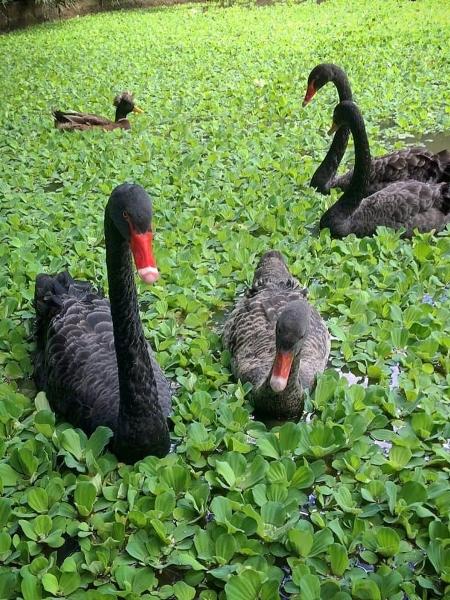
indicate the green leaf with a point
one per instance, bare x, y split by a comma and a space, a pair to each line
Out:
69, 582
365, 589
8, 476
244, 586
388, 541
310, 587
413, 491
98, 440
225, 548
226, 472
31, 590
302, 541
70, 441
322, 540
5, 511
183, 591
339, 559
50, 583
85, 495
42, 525
399, 457
38, 499
41, 402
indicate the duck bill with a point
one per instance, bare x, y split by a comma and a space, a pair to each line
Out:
332, 129
310, 93
141, 245
281, 370
137, 110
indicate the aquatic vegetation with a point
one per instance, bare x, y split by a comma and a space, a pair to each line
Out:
351, 502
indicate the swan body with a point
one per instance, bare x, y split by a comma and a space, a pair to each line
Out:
405, 204
72, 121
92, 359
277, 340
410, 163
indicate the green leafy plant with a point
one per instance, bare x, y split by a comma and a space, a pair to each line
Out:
353, 500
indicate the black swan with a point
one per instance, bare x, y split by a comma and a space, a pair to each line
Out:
71, 121
411, 163
92, 359
405, 204
278, 342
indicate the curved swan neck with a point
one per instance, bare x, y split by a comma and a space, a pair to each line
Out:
137, 384
336, 217
342, 84
324, 174
361, 172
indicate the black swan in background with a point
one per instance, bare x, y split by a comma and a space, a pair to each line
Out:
92, 358
408, 204
411, 163
278, 342
71, 121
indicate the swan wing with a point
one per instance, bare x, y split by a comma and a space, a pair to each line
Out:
80, 365
407, 204
410, 163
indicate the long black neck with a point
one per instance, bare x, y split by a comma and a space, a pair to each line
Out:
322, 178
342, 84
121, 112
335, 217
361, 172
141, 427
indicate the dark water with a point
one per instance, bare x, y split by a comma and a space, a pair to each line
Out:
435, 142
53, 186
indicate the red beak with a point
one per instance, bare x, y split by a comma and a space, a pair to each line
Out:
142, 250
280, 370
310, 92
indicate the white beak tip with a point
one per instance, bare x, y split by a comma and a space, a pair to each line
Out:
148, 274
278, 384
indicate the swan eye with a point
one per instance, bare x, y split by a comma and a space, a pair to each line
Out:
125, 215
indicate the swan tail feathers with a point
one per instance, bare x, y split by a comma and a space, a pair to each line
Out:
50, 292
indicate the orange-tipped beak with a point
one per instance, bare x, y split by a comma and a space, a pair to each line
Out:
142, 250
281, 370
332, 129
137, 110
310, 92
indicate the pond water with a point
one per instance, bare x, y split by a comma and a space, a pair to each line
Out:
434, 142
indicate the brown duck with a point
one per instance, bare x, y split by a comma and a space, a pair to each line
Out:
72, 121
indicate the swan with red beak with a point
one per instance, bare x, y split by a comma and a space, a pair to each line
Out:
278, 342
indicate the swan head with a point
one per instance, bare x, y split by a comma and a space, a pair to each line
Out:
130, 209
320, 76
291, 328
344, 112
125, 103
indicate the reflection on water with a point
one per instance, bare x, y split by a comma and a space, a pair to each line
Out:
434, 142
